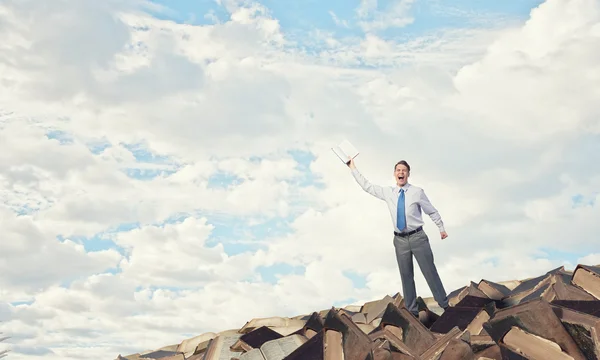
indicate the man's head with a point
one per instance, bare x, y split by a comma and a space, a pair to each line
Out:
401, 172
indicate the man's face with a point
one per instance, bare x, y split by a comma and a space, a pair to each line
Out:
401, 174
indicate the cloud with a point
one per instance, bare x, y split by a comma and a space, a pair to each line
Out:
396, 14
172, 256
337, 21
116, 132
591, 259
60, 61
542, 64
35, 260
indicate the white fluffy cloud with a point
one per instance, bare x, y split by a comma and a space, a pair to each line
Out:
500, 125
34, 260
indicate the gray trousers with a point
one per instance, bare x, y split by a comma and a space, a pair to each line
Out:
417, 244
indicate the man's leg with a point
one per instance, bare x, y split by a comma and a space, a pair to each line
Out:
422, 250
405, 265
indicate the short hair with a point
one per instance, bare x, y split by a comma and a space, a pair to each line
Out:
402, 162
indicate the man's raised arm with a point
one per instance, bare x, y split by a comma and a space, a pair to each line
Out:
372, 189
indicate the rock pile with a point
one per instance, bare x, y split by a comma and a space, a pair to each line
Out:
552, 316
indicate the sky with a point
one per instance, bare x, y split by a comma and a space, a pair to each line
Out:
166, 167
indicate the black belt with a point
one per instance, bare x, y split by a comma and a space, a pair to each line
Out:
409, 233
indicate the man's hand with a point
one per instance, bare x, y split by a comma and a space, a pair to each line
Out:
444, 235
350, 162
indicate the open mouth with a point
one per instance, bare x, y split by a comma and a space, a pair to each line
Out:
401, 177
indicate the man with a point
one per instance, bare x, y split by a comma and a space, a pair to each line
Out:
405, 202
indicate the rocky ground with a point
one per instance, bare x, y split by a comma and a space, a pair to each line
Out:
553, 316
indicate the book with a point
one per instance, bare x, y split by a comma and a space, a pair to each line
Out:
275, 349
327, 344
533, 330
588, 279
345, 150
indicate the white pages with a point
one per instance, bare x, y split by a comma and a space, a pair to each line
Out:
344, 150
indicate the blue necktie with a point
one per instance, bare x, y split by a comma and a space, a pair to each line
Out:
400, 215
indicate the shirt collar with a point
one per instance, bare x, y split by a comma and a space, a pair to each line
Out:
405, 187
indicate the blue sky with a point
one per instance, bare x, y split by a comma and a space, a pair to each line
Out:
297, 17
446, 84
236, 234
306, 15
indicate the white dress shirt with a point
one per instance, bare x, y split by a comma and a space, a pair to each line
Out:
415, 200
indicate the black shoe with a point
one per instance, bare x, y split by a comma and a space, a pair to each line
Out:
421, 306
426, 316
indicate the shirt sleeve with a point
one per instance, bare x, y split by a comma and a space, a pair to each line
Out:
373, 189
430, 210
